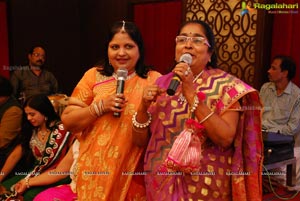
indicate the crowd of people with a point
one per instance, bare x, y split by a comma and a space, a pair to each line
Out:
204, 142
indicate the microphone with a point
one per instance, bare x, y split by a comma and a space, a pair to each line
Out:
121, 77
186, 58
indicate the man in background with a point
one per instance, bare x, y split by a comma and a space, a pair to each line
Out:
34, 79
10, 119
281, 100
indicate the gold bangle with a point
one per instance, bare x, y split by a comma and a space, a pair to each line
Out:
91, 112
27, 182
195, 104
205, 118
101, 107
96, 109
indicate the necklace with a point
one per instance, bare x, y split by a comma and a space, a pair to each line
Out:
43, 133
127, 78
181, 98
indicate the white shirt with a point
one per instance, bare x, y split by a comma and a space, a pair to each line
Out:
281, 112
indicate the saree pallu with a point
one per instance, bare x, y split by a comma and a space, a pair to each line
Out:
66, 192
231, 174
55, 149
107, 156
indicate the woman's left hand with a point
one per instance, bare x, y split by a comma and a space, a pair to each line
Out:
114, 103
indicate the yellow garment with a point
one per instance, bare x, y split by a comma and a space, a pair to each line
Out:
107, 155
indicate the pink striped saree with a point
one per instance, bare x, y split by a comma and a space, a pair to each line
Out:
231, 174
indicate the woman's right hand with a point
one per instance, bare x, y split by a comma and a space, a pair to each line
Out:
150, 94
21, 187
141, 134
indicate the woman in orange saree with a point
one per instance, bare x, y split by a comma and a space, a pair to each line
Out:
108, 163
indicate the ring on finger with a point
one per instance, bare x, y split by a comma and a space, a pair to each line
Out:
186, 73
117, 104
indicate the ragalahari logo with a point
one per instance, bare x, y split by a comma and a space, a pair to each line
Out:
274, 8
278, 8
245, 8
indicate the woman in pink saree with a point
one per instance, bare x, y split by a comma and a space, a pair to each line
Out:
204, 142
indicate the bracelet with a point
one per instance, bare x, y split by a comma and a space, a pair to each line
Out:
139, 130
141, 125
27, 182
195, 104
205, 118
91, 112
96, 109
101, 106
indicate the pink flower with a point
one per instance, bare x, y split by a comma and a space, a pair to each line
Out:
201, 96
194, 124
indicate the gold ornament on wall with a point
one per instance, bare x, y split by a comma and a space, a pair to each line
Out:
234, 24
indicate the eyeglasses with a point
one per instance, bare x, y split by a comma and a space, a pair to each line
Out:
38, 55
198, 40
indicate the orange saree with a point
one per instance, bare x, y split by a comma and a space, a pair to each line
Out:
108, 160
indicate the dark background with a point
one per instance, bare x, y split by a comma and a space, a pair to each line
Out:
72, 32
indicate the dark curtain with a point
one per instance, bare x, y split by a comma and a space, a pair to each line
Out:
4, 60
159, 24
285, 38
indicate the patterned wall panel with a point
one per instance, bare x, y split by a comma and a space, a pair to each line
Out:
235, 33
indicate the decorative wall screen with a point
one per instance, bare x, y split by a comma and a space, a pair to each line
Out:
235, 33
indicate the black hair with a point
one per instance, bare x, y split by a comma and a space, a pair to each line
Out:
42, 104
210, 37
288, 64
132, 30
6, 88
35, 46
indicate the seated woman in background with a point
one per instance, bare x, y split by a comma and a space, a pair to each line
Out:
66, 192
48, 143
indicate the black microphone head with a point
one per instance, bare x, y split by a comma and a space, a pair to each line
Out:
122, 73
186, 58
